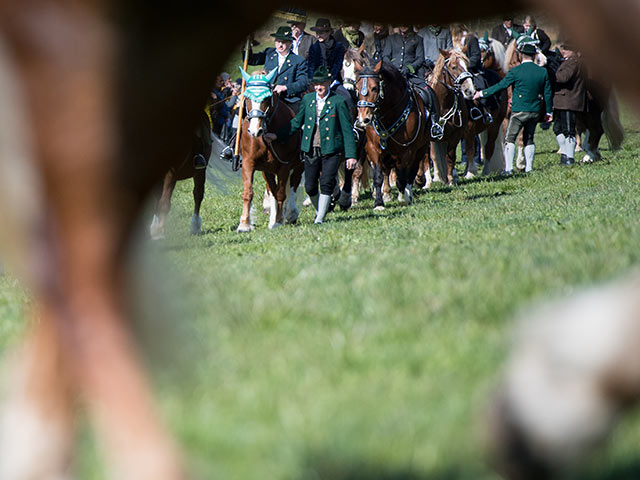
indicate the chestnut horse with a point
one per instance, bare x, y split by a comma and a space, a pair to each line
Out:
396, 127
84, 84
279, 161
452, 83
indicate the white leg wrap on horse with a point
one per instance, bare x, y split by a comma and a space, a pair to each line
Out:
509, 154
529, 153
323, 206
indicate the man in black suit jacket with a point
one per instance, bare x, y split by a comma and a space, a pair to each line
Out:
504, 32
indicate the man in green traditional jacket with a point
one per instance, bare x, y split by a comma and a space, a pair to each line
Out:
327, 135
531, 88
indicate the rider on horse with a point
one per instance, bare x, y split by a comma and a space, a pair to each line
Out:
405, 51
292, 79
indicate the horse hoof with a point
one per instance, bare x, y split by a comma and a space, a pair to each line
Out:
386, 197
196, 225
157, 236
244, 228
470, 175
307, 202
274, 226
379, 208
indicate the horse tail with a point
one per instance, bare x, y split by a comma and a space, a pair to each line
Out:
611, 122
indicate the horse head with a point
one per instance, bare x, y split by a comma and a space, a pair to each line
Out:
354, 60
456, 72
370, 93
260, 100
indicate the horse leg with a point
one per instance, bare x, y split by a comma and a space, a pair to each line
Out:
356, 183
164, 205
199, 180
439, 156
81, 345
520, 162
247, 196
452, 178
386, 187
292, 210
278, 194
470, 150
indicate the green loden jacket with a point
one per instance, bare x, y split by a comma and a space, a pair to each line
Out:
530, 87
336, 132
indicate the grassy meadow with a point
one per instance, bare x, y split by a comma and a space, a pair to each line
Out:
365, 348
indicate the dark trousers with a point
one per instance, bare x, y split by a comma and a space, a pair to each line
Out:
320, 167
564, 122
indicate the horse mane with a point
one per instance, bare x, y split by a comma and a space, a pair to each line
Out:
437, 72
454, 54
391, 74
508, 55
499, 52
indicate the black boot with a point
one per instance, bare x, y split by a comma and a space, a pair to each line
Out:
563, 160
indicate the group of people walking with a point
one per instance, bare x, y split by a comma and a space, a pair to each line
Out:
307, 62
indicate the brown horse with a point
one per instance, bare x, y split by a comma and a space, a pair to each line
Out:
183, 171
87, 82
396, 127
279, 161
452, 84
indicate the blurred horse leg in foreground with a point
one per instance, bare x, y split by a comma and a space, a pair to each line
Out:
574, 368
91, 81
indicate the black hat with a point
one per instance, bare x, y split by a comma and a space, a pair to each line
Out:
283, 33
321, 75
293, 15
322, 25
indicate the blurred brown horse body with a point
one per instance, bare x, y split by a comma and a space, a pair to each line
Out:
94, 78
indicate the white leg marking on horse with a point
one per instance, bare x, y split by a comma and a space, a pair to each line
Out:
273, 213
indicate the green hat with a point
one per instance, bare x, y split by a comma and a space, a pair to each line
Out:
527, 45
483, 42
321, 75
284, 34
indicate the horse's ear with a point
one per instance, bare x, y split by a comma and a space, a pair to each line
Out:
245, 75
357, 66
271, 75
445, 53
378, 67
361, 49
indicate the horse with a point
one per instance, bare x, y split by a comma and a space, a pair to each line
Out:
83, 85
396, 126
490, 134
452, 83
184, 170
354, 179
279, 161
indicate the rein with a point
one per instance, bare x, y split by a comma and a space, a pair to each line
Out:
457, 83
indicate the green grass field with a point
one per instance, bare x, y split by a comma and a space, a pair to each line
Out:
364, 348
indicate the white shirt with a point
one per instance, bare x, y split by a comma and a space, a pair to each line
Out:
296, 44
281, 59
320, 106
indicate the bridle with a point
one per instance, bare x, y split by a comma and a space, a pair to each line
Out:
383, 132
364, 91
